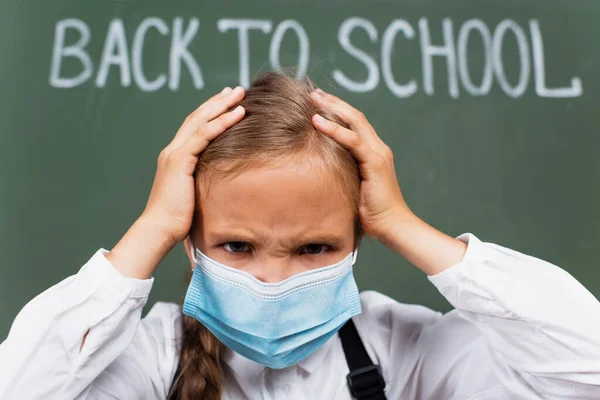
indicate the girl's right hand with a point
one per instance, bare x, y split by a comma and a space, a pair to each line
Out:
167, 218
172, 200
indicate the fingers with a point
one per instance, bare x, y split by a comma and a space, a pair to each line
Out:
226, 90
213, 108
185, 156
198, 141
209, 110
355, 119
346, 137
219, 125
223, 92
350, 115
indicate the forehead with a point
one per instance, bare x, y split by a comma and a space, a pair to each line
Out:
298, 196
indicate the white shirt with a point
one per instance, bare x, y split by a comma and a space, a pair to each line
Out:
522, 329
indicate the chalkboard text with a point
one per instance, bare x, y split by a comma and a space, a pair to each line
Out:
118, 57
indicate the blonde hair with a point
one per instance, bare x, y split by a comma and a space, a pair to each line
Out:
277, 127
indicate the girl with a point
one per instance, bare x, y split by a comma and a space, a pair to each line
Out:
272, 198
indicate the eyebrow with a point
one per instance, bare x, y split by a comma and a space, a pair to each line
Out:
230, 236
327, 238
240, 236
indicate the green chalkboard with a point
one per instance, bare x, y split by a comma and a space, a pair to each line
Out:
491, 108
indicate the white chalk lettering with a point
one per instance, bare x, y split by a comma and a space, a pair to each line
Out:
137, 55
537, 45
344, 39
428, 51
401, 40
524, 72
243, 26
59, 51
179, 51
387, 47
115, 53
303, 44
463, 60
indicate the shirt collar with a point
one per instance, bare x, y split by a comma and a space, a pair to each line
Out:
248, 370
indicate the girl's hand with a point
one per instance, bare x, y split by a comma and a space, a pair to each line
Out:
172, 200
167, 218
381, 204
384, 214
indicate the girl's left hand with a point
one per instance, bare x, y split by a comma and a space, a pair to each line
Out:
381, 204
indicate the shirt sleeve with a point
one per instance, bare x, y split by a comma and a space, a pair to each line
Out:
42, 357
541, 322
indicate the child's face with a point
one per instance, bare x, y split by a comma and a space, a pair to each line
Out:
276, 222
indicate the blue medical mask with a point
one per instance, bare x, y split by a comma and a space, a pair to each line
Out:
274, 324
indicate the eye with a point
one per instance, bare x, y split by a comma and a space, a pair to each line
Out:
314, 248
237, 247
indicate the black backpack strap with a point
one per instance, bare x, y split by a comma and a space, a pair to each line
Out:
174, 394
365, 378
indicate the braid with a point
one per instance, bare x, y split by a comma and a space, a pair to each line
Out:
199, 375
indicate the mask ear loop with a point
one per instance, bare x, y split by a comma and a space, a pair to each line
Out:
354, 255
193, 250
